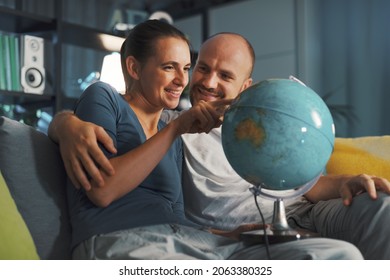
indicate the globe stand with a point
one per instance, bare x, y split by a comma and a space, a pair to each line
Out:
279, 230
278, 134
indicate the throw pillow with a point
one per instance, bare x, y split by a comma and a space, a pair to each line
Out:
369, 155
16, 241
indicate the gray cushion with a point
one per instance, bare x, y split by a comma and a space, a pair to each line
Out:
32, 167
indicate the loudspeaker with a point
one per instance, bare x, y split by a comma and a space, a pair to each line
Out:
32, 58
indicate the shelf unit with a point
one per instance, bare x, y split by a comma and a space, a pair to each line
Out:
57, 29
57, 32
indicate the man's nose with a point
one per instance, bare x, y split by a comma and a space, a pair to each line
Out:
210, 81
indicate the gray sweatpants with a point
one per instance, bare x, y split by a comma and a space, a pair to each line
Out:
181, 242
365, 223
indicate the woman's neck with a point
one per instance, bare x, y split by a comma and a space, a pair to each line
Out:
146, 114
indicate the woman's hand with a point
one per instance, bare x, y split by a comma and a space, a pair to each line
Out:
202, 117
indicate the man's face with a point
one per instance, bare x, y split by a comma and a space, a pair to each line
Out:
222, 69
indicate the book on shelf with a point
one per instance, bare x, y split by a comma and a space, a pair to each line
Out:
15, 63
3, 85
7, 62
10, 62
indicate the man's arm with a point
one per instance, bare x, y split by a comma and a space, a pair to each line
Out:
78, 141
58, 121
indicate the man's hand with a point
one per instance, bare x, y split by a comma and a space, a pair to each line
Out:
78, 141
347, 187
356, 185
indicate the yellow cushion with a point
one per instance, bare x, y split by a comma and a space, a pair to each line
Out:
15, 239
370, 155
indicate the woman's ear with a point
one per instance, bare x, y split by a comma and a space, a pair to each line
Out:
132, 67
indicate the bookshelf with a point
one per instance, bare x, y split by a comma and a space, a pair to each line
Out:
57, 34
71, 33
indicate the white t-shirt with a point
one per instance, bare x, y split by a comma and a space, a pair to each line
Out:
214, 194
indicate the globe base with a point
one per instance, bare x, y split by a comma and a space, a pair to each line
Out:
277, 232
275, 235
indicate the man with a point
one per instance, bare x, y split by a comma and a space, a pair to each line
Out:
214, 194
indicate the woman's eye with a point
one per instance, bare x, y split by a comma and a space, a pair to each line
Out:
168, 67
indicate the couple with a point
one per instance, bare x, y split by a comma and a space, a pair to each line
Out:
134, 207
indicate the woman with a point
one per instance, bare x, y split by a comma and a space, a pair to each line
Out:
144, 196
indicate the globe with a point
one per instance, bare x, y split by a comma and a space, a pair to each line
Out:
278, 134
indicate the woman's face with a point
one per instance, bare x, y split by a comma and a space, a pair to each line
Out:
165, 74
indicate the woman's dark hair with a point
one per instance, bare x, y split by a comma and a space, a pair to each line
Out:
141, 42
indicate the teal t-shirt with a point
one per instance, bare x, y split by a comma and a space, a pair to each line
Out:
157, 200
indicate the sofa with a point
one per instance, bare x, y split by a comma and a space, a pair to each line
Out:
34, 222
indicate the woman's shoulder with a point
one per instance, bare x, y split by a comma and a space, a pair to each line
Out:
99, 96
101, 90
101, 87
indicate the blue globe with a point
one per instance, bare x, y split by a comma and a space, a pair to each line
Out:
278, 134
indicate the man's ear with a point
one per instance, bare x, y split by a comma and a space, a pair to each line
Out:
246, 84
132, 67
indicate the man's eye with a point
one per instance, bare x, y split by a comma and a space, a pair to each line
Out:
202, 68
225, 77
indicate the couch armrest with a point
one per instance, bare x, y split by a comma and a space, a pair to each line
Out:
32, 167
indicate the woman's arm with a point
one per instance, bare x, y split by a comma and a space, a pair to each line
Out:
138, 163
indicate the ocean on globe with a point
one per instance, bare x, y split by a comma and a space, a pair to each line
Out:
279, 134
